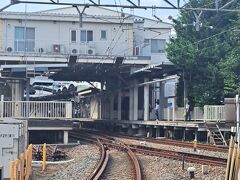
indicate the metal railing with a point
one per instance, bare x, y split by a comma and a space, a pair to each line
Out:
208, 113
214, 113
57, 109
39, 47
196, 114
36, 109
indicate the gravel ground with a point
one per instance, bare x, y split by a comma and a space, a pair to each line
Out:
157, 168
85, 158
119, 167
174, 148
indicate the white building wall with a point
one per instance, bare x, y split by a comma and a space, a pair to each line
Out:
54, 27
148, 29
47, 33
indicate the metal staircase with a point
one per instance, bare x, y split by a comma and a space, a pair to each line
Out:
215, 134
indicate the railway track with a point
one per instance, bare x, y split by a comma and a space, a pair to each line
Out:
188, 157
102, 164
207, 147
120, 166
184, 144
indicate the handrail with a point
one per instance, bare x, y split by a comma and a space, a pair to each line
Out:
36, 109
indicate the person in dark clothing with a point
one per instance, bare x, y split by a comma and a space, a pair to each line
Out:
188, 108
157, 109
187, 112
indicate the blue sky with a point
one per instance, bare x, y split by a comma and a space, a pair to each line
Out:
163, 14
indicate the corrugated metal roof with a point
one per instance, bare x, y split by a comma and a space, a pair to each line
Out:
102, 12
149, 68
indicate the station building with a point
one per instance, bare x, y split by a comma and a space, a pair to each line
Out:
125, 53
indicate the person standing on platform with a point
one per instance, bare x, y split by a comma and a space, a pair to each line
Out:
157, 109
187, 111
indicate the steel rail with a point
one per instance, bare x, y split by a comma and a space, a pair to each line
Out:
188, 157
136, 164
95, 175
102, 163
110, 143
170, 154
184, 144
208, 147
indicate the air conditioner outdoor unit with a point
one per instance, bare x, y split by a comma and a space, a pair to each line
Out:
74, 51
91, 51
40, 50
9, 49
56, 48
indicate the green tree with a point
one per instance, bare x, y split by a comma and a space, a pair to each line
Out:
202, 54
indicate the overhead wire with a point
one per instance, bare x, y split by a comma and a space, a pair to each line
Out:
141, 43
210, 37
140, 29
113, 39
190, 44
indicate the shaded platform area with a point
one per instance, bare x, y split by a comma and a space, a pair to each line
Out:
50, 124
50, 131
200, 125
208, 132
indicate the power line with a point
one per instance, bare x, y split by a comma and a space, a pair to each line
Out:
13, 2
195, 43
210, 37
131, 48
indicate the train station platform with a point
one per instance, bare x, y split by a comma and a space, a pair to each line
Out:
199, 125
51, 131
49, 124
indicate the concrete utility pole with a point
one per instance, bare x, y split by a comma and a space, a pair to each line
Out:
80, 14
198, 23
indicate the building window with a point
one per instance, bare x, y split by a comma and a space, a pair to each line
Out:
158, 45
103, 34
24, 39
146, 42
86, 36
73, 36
137, 51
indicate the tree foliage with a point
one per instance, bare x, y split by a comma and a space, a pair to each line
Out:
210, 57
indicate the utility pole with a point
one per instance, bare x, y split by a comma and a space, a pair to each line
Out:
197, 23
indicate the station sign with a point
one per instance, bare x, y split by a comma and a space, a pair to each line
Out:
170, 89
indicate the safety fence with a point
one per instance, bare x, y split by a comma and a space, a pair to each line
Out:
214, 113
36, 109
63, 109
207, 113
20, 169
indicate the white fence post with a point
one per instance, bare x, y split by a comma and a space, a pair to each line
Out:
214, 113
237, 118
68, 110
2, 101
35, 109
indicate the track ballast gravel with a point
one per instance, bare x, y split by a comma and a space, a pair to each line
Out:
85, 159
